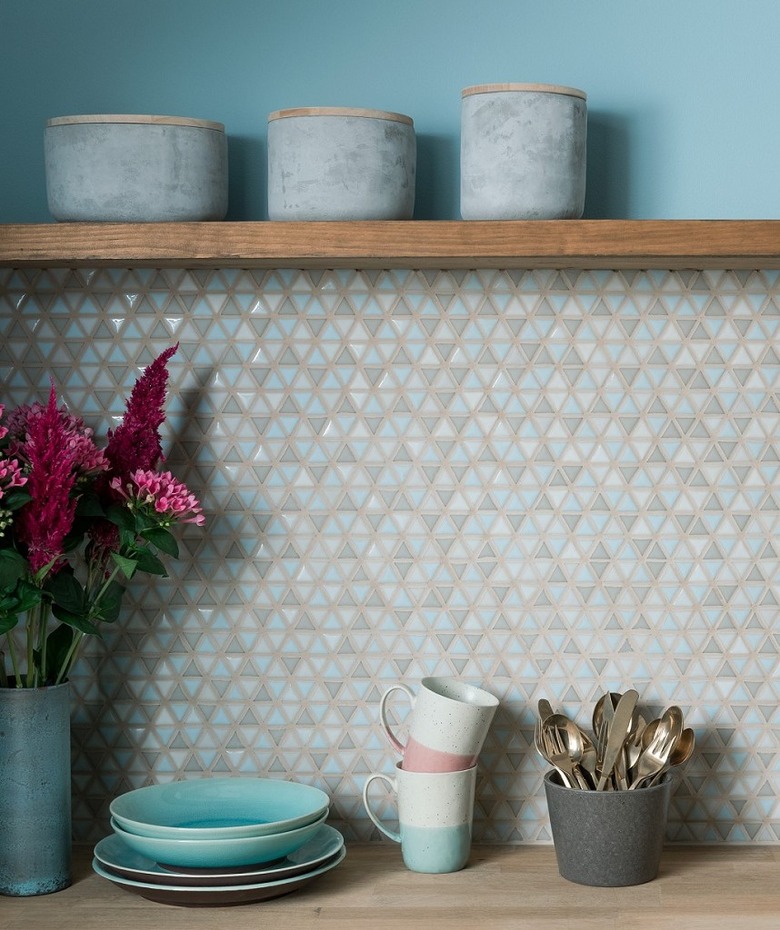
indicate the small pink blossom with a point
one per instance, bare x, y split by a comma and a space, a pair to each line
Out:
10, 476
161, 493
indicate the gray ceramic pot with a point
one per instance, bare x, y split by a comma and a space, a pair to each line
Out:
128, 168
607, 838
340, 163
522, 152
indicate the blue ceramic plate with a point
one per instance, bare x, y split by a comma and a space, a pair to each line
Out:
216, 853
188, 896
218, 808
117, 858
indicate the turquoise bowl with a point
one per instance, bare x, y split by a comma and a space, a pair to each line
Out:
218, 808
218, 853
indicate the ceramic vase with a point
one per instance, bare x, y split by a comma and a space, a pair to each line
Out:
35, 805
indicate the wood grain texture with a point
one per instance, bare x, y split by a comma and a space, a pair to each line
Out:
503, 887
617, 244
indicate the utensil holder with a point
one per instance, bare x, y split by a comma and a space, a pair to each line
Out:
608, 838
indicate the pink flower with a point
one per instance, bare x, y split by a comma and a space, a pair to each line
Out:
10, 476
162, 494
135, 443
50, 458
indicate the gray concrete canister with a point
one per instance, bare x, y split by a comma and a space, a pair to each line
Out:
129, 168
522, 154
340, 163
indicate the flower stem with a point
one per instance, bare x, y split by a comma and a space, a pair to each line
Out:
68, 660
106, 585
32, 672
14, 661
43, 624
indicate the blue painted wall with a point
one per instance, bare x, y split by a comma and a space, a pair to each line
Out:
682, 93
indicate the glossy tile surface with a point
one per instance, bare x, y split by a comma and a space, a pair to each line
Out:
546, 483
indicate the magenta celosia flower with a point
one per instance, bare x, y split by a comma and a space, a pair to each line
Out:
135, 443
50, 464
88, 460
161, 494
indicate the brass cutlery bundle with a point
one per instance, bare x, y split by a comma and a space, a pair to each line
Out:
624, 752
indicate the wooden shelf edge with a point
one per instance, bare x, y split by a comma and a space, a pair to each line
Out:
618, 244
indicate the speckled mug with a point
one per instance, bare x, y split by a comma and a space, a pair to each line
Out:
449, 722
435, 813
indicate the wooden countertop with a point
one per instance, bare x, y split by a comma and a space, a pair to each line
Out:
503, 887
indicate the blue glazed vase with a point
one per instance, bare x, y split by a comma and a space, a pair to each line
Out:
35, 813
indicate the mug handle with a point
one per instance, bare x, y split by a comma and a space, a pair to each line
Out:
394, 741
377, 822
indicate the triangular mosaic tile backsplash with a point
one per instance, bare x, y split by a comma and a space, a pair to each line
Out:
550, 483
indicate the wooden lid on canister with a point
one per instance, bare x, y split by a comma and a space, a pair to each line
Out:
533, 88
136, 118
341, 111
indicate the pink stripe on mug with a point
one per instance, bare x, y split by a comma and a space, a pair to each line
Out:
447, 727
419, 758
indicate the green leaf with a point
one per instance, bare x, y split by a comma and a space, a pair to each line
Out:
143, 522
8, 622
13, 567
77, 621
27, 596
109, 605
127, 539
58, 642
164, 540
13, 500
122, 517
125, 565
66, 592
148, 562
89, 506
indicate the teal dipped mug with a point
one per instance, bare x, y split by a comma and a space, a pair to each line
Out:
435, 814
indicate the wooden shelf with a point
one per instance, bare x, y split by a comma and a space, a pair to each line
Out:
668, 244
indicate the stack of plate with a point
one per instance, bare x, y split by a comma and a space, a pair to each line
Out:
218, 840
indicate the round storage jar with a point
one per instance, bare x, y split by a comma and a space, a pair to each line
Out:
340, 163
135, 169
522, 154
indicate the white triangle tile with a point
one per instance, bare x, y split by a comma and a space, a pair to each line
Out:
549, 482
